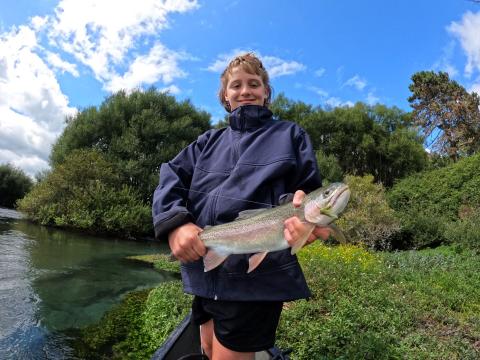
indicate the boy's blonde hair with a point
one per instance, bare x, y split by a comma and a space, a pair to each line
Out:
250, 63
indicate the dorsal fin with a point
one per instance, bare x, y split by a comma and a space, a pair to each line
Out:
246, 214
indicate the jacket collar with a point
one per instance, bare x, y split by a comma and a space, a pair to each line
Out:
249, 116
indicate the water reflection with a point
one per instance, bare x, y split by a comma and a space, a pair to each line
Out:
52, 280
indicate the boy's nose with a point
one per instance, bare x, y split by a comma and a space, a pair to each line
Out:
245, 90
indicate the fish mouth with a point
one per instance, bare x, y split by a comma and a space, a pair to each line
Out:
334, 199
339, 193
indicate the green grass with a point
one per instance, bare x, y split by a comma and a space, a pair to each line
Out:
365, 305
405, 305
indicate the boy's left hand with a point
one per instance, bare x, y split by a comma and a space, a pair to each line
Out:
295, 229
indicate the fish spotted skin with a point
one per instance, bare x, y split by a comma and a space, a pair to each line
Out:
262, 231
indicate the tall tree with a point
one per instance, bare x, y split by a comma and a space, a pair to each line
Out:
135, 132
446, 113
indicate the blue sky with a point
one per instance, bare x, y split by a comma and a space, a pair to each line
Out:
58, 57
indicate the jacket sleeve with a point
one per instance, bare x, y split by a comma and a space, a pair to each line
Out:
169, 206
307, 177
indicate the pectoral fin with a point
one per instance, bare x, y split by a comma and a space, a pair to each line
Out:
301, 242
255, 260
337, 233
212, 259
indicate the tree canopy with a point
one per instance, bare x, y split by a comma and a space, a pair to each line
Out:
447, 114
135, 132
14, 184
374, 140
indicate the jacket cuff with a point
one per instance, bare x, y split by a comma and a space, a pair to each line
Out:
162, 229
285, 198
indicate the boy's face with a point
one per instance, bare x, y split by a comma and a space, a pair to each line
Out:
245, 89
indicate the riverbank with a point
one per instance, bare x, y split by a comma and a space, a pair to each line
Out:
415, 304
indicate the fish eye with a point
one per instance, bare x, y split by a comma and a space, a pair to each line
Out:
327, 193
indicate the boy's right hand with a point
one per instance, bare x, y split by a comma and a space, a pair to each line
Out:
185, 243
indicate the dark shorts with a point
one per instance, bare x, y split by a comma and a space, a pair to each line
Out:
243, 326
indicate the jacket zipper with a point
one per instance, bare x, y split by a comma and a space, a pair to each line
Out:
236, 153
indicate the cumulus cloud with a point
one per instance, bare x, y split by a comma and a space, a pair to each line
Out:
57, 63
159, 64
336, 102
275, 66
102, 42
278, 67
356, 82
467, 32
32, 105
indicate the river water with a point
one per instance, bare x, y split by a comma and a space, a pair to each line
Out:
52, 281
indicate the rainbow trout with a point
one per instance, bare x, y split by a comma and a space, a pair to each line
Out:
261, 231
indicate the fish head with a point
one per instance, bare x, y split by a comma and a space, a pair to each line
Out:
323, 205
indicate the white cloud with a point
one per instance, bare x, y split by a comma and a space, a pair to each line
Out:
159, 64
172, 90
475, 87
278, 67
336, 102
372, 99
356, 82
56, 62
275, 66
444, 63
322, 93
32, 105
319, 72
223, 59
467, 32
103, 41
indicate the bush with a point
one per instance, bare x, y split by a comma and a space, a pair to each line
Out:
136, 327
466, 231
368, 219
429, 201
165, 308
85, 193
96, 341
14, 184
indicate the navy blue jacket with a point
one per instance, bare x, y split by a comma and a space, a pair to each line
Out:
257, 159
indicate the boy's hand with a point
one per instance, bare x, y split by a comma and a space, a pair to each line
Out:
295, 229
185, 243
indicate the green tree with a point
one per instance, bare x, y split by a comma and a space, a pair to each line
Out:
135, 132
364, 139
14, 184
447, 114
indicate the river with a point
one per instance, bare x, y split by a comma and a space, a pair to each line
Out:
53, 281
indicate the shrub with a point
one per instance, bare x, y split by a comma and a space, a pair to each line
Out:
466, 231
441, 191
14, 184
368, 219
85, 193
96, 341
428, 201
